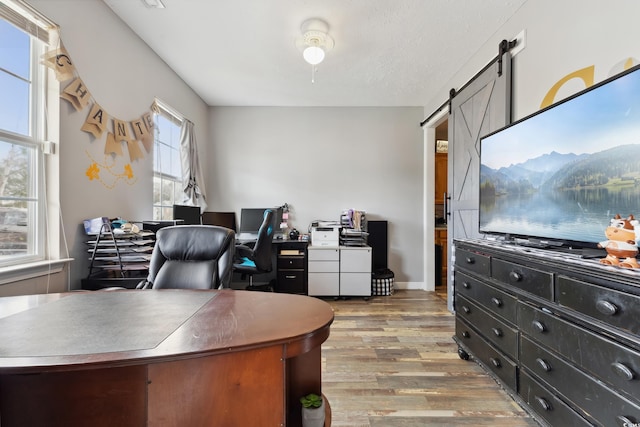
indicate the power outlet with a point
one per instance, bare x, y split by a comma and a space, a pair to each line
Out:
521, 42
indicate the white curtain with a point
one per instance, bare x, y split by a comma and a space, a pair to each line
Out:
192, 182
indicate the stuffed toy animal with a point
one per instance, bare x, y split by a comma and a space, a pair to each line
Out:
621, 246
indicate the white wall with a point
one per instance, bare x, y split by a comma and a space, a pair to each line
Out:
123, 76
561, 37
321, 161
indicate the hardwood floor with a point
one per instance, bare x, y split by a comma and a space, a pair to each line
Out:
391, 361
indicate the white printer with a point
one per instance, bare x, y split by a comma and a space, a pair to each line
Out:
325, 233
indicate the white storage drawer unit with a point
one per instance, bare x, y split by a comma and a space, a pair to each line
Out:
355, 271
323, 266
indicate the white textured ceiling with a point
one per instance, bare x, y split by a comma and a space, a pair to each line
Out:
387, 52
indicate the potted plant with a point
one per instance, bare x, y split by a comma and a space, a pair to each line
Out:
312, 410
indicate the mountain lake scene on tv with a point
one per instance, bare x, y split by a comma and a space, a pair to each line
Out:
574, 194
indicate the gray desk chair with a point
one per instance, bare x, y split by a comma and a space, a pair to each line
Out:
191, 257
257, 259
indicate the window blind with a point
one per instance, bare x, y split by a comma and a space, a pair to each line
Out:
27, 18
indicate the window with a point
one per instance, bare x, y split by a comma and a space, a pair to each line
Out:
23, 131
167, 167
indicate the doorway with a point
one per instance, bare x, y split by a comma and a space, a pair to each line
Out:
440, 206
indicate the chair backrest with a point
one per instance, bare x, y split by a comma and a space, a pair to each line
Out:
223, 219
262, 248
192, 257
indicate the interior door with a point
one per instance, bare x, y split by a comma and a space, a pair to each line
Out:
481, 106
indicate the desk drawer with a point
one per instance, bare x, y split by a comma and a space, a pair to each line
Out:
290, 262
578, 387
528, 279
291, 282
499, 333
607, 360
548, 406
490, 298
472, 261
323, 266
613, 307
323, 254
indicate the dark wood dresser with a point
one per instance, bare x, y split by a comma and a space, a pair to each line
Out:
560, 332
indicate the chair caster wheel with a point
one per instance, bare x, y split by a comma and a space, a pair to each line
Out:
463, 354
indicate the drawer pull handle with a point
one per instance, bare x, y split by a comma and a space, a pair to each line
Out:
465, 334
543, 364
539, 326
544, 404
466, 309
496, 362
622, 371
625, 421
497, 332
515, 276
606, 307
290, 277
470, 260
496, 301
466, 285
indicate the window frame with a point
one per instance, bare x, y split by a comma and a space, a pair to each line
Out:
28, 21
165, 211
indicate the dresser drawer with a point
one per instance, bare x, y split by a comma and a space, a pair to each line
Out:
472, 261
576, 386
290, 262
498, 363
613, 307
553, 410
492, 299
537, 282
496, 331
609, 361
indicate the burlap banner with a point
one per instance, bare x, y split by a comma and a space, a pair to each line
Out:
124, 132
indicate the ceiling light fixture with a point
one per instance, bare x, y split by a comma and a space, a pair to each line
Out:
314, 43
155, 4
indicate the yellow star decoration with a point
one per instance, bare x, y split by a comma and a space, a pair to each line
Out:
110, 173
93, 172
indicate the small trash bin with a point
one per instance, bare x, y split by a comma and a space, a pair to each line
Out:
382, 282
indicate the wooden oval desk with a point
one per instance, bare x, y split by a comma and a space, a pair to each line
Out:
159, 358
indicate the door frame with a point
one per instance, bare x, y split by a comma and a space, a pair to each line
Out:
429, 162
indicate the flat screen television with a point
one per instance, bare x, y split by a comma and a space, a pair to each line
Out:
558, 176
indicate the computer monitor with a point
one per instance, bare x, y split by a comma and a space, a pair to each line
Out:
223, 219
189, 214
251, 219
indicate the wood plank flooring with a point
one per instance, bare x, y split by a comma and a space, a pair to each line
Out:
391, 361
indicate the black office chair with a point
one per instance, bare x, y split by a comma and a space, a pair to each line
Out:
191, 257
257, 259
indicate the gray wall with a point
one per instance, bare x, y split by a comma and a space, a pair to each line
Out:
321, 161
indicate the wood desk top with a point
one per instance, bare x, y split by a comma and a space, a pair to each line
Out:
81, 330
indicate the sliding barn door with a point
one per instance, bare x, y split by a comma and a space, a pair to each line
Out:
480, 107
